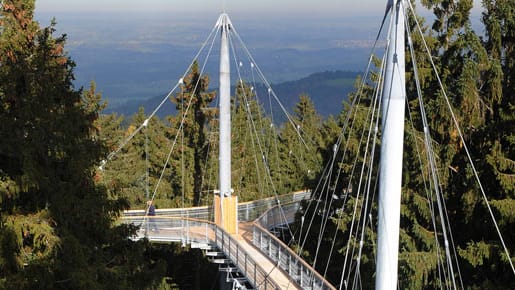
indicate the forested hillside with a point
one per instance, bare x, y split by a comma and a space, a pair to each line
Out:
59, 225
324, 88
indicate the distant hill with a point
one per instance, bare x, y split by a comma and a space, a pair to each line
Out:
327, 89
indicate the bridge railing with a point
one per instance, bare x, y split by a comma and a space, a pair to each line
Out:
172, 229
246, 265
300, 271
195, 231
247, 211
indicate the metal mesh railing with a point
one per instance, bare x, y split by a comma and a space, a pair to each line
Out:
246, 265
300, 271
202, 234
191, 226
247, 211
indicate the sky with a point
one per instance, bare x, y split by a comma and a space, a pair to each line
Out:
110, 38
231, 6
286, 9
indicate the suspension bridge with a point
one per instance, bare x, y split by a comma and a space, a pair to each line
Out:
243, 237
253, 257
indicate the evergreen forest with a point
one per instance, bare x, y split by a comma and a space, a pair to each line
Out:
63, 191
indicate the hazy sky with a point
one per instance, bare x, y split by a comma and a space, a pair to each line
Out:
249, 6
145, 31
286, 8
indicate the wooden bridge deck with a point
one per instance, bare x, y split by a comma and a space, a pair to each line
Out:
238, 247
244, 237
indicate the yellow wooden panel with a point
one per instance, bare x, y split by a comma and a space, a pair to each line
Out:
226, 213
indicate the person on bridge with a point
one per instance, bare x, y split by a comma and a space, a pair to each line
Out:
151, 212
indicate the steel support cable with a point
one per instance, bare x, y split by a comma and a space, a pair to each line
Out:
370, 116
329, 169
206, 162
145, 123
427, 189
456, 124
426, 184
181, 125
167, 96
265, 162
239, 128
246, 105
324, 218
331, 193
146, 165
361, 88
259, 143
377, 95
267, 84
337, 145
437, 185
351, 112
275, 133
324, 214
302, 240
206, 166
326, 181
365, 212
432, 164
309, 205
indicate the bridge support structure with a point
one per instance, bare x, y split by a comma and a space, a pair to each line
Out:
226, 213
226, 205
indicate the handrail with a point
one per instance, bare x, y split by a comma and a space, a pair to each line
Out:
302, 273
247, 211
258, 277
201, 231
193, 228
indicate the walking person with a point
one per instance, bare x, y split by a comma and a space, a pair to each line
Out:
151, 212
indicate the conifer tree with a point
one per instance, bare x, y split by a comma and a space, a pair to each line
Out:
254, 153
133, 173
486, 263
192, 104
301, 146
57, 226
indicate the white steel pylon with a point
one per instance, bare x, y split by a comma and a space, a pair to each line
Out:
226, 215
390, 176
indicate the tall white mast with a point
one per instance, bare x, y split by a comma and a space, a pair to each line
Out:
393, 103
225, 109
225, 205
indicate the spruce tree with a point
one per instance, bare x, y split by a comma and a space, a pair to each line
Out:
57, 225
486, 263
301, 146
192, 104
134, 171
254, 147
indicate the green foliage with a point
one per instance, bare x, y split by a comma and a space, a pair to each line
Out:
58, 209
57, 226
192, 108
478, 77
302, 143
254, 148
133, 173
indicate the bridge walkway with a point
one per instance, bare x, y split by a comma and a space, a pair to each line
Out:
276, 274
254, 252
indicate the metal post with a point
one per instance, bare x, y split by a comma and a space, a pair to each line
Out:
393, 103
225, 110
